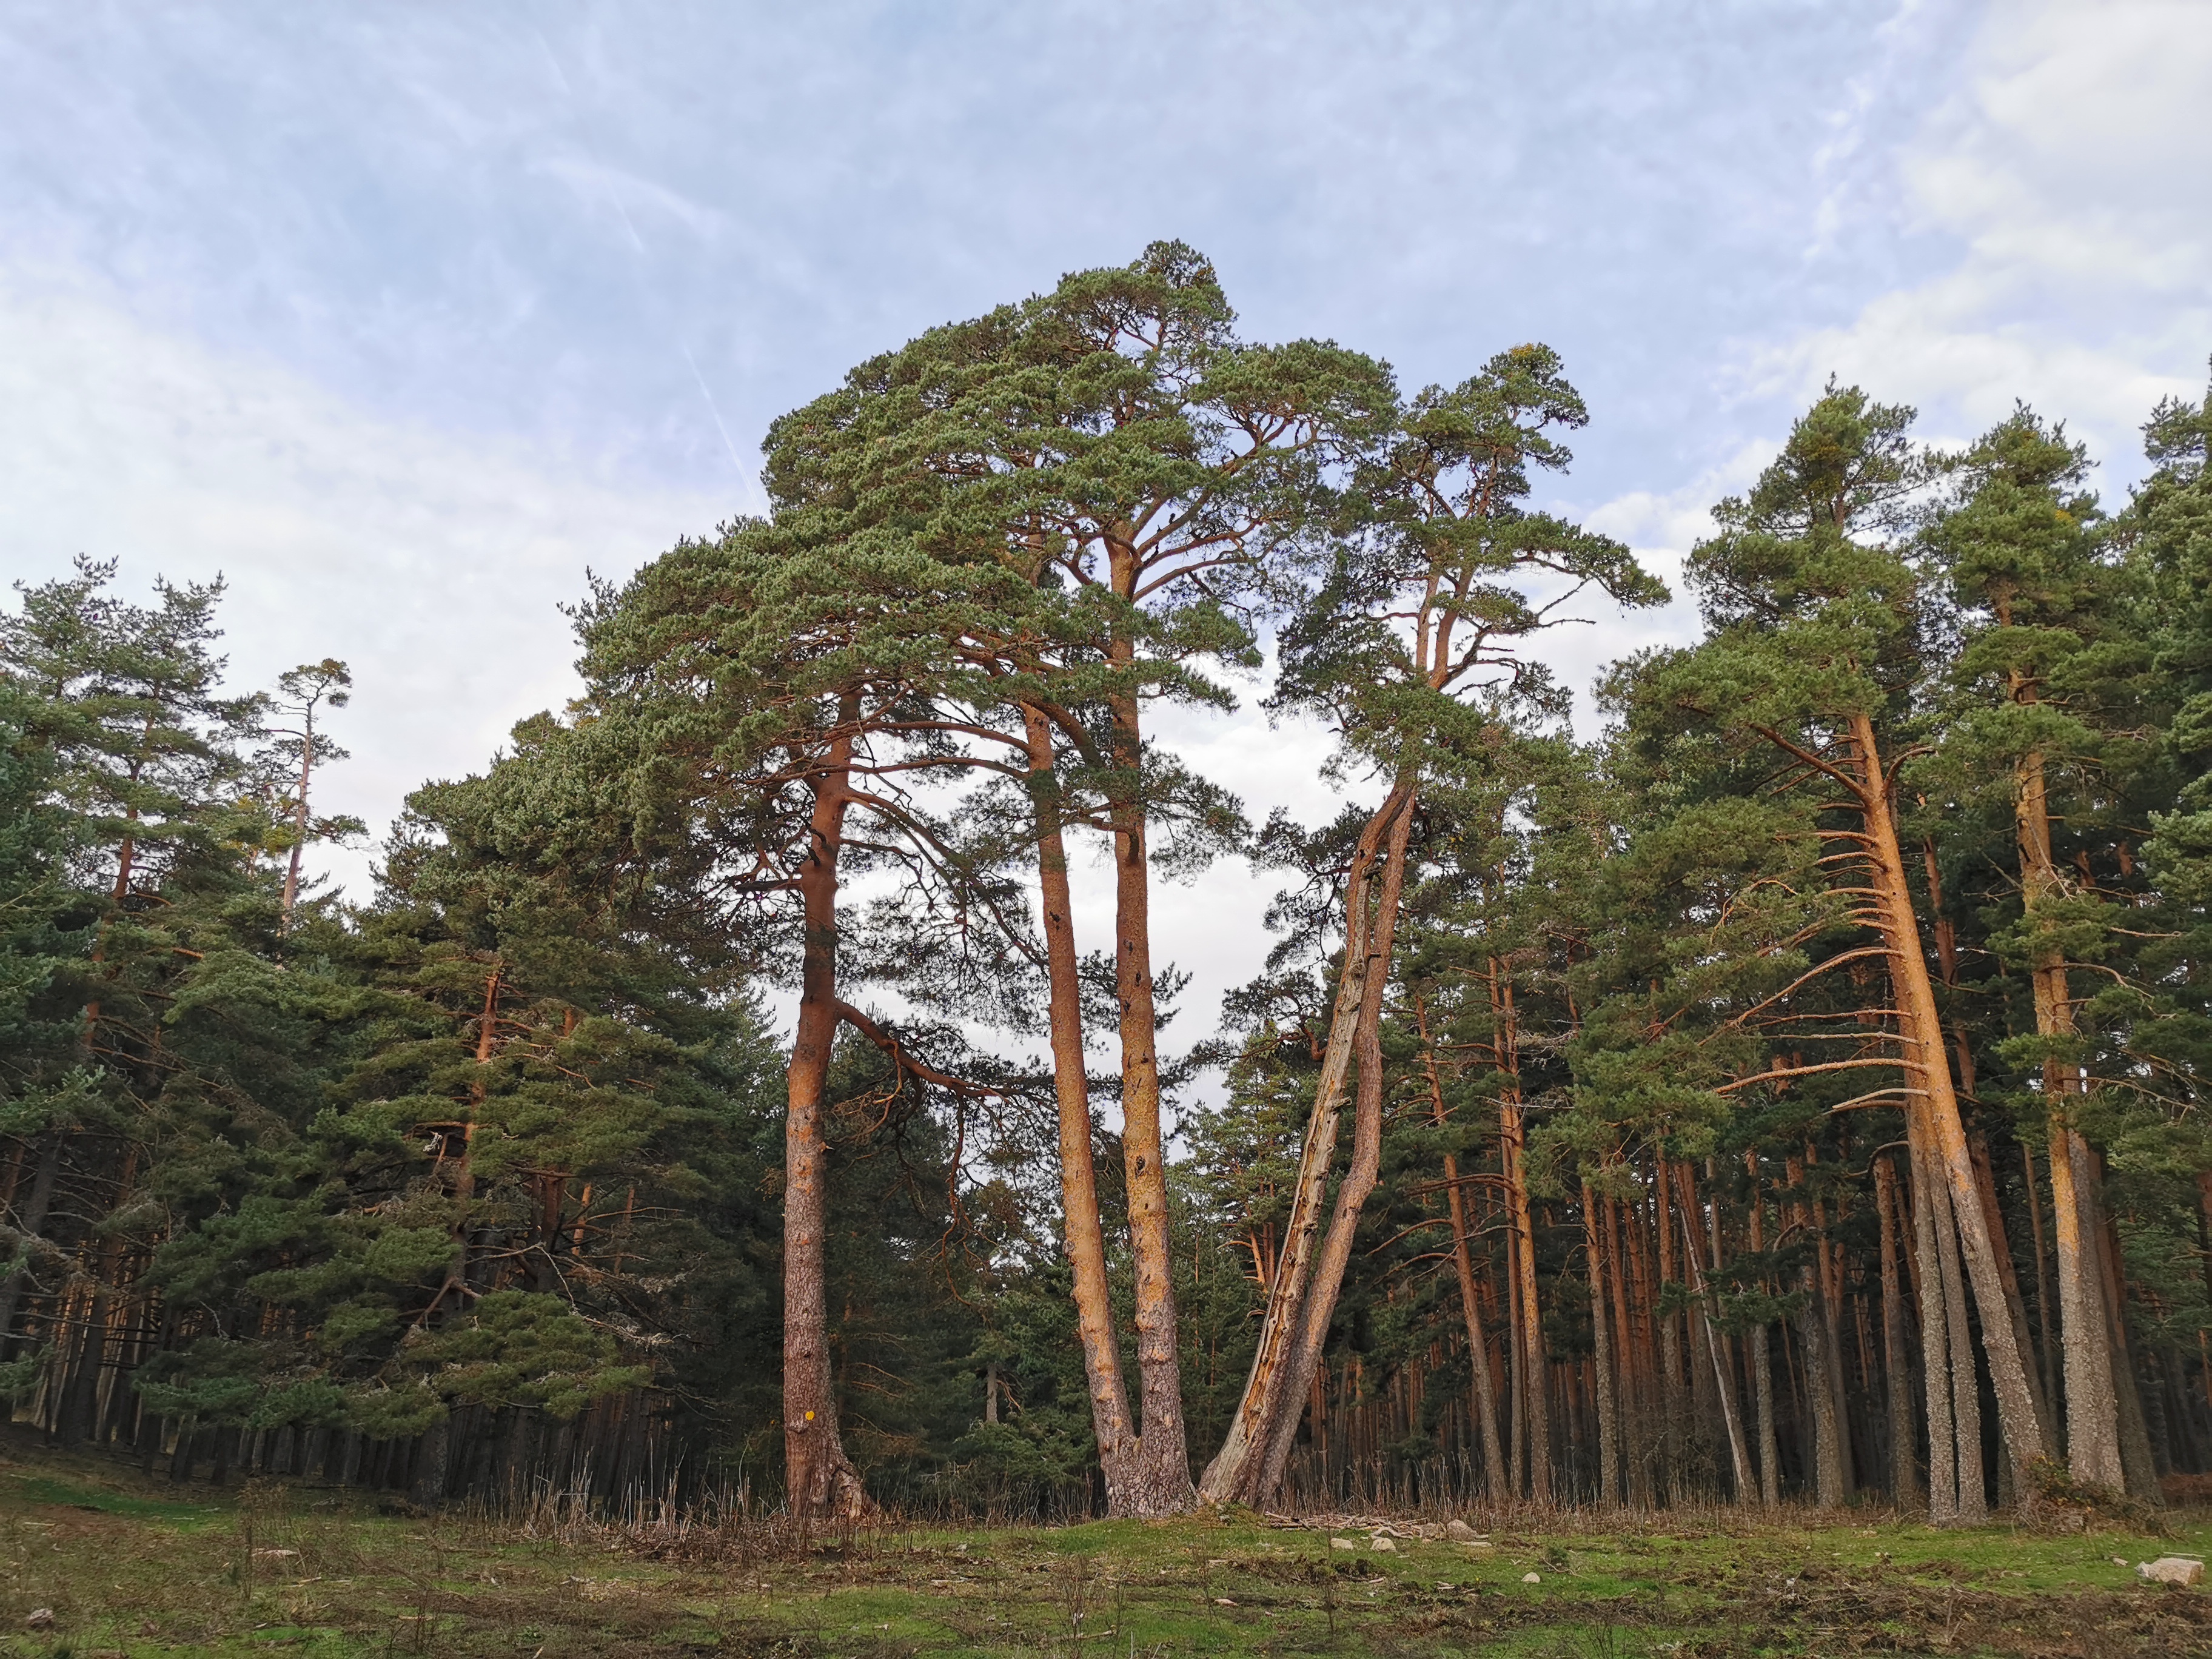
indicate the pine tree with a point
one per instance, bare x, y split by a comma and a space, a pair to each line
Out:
2019, 549
1452, 545
1814, 651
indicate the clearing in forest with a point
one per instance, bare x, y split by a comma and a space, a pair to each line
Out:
95, 1564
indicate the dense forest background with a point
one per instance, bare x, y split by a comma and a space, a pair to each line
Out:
1795, 1092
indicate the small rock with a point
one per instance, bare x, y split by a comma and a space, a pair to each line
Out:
1218, 1601
2171, 1569
1353, 1544
2120, 1560
1385, 1543
1459, 1533
41, 1619
1532, 1578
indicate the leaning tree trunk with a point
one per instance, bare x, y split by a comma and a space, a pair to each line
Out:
1723, 1373
819, 1479
1230, 1477
1358, 1179
1921, 1031
1078, 1175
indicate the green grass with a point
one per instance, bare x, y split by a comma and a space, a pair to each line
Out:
129, 1570
36, 1489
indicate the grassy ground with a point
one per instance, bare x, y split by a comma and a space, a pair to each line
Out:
132, 1568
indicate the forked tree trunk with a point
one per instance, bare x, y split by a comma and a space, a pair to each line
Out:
1229, 1477
1079, 1176
1335, 1253
819, 1479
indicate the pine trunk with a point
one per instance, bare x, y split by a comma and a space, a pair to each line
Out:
1608, 1415
1530, 1336
30, 1220
1078, 1175
1670, 1348
1158, 1471
1484, 1386
1762, 1364
1896, 1342
819, 1479
1228, 1478
2092, 1432
1335, 1254
1935, 1358
1724, 1381
1921, 1032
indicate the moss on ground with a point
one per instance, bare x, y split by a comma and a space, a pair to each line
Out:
137, 1568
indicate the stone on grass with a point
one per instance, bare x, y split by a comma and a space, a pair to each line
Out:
1532, 1578
1344, 1543
1383, 1541
2171, 1569
41, 1619
1459, 1533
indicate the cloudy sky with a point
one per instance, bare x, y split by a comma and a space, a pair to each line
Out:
401, 316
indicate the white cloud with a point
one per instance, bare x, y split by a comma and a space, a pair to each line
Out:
433, 562
2083, 280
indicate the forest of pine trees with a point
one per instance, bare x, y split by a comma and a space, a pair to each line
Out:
1791, 1093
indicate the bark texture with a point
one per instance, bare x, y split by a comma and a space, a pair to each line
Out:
820, 1480
1936, 1102
1078, 1175
1230, 1476
1335, 1253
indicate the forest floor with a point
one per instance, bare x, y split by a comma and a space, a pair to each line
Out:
96, 1563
